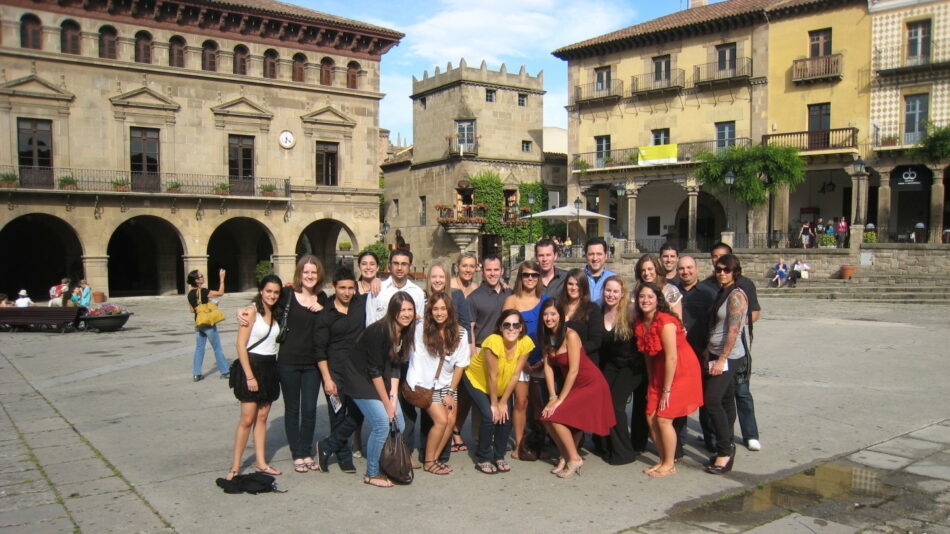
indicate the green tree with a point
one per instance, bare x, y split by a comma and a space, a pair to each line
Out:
759, 171
489, 189
934, 146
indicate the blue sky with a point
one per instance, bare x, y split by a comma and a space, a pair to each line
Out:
514, 32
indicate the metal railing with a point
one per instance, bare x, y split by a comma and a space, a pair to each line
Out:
689, 151
597, 91
109, 180
777, 239
464, 213
837, 138
817, 68
895, 134
512, 217
459, 147
722, 71
899, 57
646, 83
605, 158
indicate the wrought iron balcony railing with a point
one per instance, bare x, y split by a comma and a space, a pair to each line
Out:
722, 71
902, 58
463, 147
689, 151
108, 180
463, 214
837, 138
815, 69
685, 152
892, 134
597, 91
650, 83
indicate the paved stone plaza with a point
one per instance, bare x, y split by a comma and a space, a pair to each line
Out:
107, 433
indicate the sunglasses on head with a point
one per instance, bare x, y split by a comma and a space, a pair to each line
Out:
530, 275
511, 326
726, 270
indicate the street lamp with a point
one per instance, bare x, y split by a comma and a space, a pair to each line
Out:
577, 213
730, 178
531, 199
859, 168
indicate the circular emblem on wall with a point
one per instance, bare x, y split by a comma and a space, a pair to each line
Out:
287, 139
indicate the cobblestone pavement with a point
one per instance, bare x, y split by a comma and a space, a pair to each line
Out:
107, 433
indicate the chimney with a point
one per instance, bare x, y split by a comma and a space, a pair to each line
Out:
697, 3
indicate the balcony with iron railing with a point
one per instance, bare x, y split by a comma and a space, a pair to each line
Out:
816, 69
650, 83
512, 216
69, 179
722, 72
896, 136
461, 147
629, 157
834, 139
899, 59
591, 92
462, 214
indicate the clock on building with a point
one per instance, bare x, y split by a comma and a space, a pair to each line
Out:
287, 139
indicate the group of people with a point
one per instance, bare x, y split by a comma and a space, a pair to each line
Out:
810, 232
554, 356
788, 277
65, 293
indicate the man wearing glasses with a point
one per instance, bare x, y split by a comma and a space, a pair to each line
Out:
400, 265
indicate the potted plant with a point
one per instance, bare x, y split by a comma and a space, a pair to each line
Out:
345, 245
889, 140
609, 162
268, 190
68, 183
120, 185
8, 179
826, 241
870, 236
106, 318
173, 187
222, 188
632, 157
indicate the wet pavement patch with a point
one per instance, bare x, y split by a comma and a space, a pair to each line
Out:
836, 485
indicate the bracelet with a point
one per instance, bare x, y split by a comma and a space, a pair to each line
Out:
552, 397
666, 391
252, 378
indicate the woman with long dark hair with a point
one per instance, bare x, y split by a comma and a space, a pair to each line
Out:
626, 374
490, 379
649, 270
583, 403
581, 315
200, 295
675, 388
439, 357
724, 355
371, 377
254, 379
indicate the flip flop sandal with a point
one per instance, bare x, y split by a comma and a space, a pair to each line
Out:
268, 470
503, 466
301, 467
486, 467
378, 481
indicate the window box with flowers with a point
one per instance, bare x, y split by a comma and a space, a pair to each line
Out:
68, 183
222, 188
120, 185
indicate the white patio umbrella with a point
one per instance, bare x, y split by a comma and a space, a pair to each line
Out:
567, 214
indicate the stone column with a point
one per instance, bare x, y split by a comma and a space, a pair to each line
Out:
96, 270
779, 215
632, 194
190, 263
603, 207
936, 203
883, 203
859, 196
284, 265
692, 195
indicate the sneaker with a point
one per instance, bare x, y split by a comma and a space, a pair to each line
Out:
196, 378
225, 376
754, 445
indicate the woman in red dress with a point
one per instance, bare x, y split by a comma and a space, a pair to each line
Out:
676, 388
583, 404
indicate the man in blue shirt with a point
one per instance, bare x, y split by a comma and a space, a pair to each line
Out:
596, 252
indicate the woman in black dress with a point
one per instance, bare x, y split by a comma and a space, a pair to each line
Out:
582, 315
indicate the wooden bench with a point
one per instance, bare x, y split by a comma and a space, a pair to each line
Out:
62, 318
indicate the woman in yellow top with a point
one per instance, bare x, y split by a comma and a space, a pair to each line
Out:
491, 378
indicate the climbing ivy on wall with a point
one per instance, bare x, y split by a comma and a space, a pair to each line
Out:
488, 189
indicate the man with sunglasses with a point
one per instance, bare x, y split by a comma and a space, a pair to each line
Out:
745, 405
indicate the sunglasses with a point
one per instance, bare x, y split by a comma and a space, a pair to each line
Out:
511, 326
726, 270
530, 275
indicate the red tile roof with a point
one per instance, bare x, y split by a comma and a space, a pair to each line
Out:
275, 8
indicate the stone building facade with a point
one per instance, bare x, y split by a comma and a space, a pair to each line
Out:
465, 121
146, 139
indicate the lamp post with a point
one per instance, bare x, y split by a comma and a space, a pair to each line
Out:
859, 166
577, 213
730, 178
531, 199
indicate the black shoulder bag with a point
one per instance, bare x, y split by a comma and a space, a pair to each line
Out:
282, 335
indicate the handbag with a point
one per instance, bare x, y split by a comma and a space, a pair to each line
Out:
395, 460
421, 397
207, 313
282, 335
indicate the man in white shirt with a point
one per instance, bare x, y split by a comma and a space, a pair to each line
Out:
400, 265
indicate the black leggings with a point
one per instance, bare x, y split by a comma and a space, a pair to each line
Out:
719, 398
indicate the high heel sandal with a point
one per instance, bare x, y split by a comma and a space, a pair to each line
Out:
561, 464
573, 468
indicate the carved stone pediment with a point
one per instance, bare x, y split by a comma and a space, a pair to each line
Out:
33, 86
145, 98
327, 116
242, 111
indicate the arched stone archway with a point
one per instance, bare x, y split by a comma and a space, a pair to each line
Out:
40, 250
238, 245
320, 238
710, 221
145, 258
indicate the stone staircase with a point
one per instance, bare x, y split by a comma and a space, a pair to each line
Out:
868, 285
